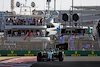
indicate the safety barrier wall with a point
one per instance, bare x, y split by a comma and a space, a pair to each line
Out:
82, 53
34, 53
18, 52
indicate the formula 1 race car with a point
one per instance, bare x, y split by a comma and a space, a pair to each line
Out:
50, 55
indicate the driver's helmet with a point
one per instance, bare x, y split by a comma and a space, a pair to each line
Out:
50, 48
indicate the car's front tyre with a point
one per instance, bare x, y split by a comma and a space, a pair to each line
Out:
39, 56
60, 56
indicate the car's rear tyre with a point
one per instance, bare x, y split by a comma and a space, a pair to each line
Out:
52, 59
60, 59
48, 60
60, 56
39, 56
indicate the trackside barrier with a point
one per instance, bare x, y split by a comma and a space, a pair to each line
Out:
82, 53
34, 53
19, 52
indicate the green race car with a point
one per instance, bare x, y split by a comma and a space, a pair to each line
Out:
50, 55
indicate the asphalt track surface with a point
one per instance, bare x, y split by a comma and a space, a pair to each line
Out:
18, 62
67, 64
71, 62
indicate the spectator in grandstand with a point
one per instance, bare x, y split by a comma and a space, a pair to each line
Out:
41, 21
34, 33
19, 33
22, 33
28, 34
38, 33
11, 21
22, 21
14, 21
17, 21
16, 33
41, 34
38, 23
34, 20
26, 21
31, 21
31, 34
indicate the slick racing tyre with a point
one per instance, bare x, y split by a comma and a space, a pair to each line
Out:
52, 59
60, 56
39, 56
